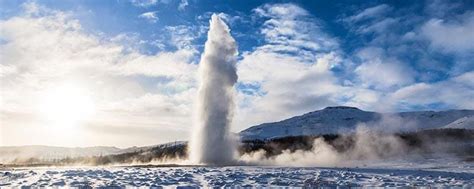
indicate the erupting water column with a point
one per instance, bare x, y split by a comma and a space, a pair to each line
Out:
211, 142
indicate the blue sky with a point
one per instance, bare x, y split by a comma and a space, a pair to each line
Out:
136, 61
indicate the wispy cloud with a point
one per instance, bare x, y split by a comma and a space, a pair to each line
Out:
370, 13
381, 72
289, 28
297, 56
182, 5
455, 92
451, 36
144, 3
182, 36
150, 16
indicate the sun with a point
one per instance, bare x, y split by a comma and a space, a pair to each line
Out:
67, 105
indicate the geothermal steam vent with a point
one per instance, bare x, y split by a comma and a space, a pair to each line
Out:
211, 142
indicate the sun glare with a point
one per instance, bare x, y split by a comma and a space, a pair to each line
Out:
67, 105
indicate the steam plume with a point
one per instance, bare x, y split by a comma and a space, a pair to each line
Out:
367, 144
211, 142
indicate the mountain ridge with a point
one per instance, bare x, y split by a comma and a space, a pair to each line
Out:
343, 119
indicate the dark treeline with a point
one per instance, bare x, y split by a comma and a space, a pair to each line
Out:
451, 141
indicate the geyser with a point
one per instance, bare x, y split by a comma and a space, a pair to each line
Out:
211, 142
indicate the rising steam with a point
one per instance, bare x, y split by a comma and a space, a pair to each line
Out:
362, 146
370, 143
211, 142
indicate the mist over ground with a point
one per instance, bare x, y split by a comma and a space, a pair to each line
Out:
347, 150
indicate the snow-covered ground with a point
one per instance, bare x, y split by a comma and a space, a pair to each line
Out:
428, 173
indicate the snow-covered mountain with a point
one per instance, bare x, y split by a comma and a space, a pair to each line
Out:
462, 123
342, 119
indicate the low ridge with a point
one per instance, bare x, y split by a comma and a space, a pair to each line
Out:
344, 119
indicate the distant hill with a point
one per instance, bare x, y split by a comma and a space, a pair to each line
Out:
12, 153
343, 119
462, 123
50, 155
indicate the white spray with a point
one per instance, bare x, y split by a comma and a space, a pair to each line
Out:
211, 142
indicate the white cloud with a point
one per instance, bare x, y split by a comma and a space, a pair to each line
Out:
182, 36
451, 36
144, 3
371, 12
289, 29
456, 92
290, 87
379, 26
440, 8
378, 19
129, 89
291, 70
182, 5
381, 72
150, 16
166, 64
288, 10
366, 99
31, 8
391, 61
148, 3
